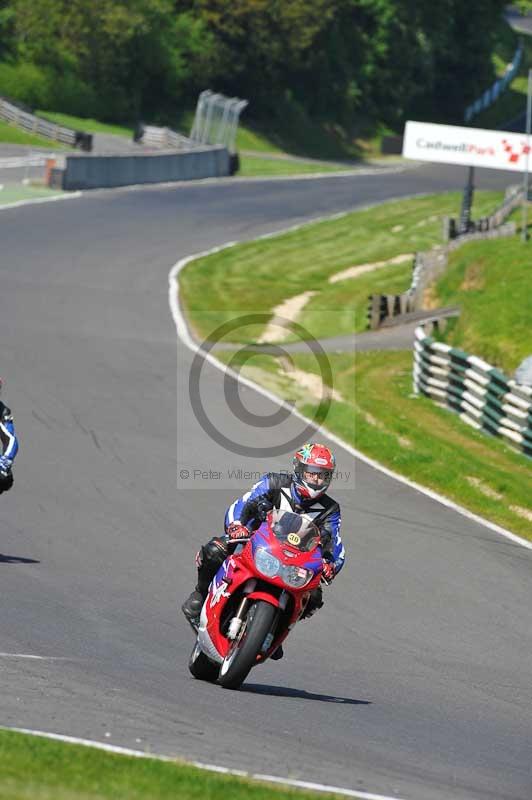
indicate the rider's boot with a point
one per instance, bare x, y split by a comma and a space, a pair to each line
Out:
192, 606
277, 654
209, 559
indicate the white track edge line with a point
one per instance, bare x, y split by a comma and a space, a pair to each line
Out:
126, 751
25, 655
37, 200
185, 336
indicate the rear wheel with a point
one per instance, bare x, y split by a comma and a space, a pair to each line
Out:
201, 667
244, 650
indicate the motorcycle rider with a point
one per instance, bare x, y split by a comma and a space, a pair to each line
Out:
302, 491
9, 445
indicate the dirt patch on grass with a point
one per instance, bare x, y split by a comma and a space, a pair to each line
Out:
287, 310
474, 277
361, 269
430, 298
524, 513
483, 488
312, 383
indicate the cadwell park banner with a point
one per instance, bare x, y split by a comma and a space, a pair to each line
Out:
472, 147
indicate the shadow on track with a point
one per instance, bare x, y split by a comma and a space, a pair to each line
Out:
300, 694
17, 560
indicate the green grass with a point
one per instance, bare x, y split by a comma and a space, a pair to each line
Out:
411, 435
86, 124
11, 135
377, 412
249, 139
252, 166
13, 193
491, 281
218, 288
34, 768
295, 133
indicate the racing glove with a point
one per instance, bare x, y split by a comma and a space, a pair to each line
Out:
237, 532
264, 506
328, 571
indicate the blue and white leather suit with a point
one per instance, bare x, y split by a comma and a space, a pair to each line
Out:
9, 447
277, 490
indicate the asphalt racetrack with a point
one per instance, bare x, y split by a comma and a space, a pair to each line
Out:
413, 681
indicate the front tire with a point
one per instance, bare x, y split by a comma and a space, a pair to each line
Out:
201, 667
243, 654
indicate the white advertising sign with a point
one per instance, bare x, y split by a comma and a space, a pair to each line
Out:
472, 147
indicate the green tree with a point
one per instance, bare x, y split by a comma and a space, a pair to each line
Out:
134, 55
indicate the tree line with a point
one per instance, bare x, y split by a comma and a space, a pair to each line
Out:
122, 60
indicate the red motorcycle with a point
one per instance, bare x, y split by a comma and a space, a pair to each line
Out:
256, 598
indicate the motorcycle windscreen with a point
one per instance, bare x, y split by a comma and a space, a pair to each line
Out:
297, 530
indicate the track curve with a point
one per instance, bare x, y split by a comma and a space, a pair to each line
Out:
411, 682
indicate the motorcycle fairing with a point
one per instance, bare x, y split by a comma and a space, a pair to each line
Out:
238, 576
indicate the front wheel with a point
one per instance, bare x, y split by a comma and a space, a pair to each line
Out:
201, 667
244, 651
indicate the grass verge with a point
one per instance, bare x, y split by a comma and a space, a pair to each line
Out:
378, 415
491, 282
238, 280
11, 135
375, 410
14, 193
86, 124
34, 768
254, 166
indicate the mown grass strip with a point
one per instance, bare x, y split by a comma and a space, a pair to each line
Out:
254, 166
239, 280
35, 768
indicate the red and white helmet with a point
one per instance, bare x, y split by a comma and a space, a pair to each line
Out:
314, 465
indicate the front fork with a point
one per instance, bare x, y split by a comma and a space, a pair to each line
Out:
237, 621
235, 626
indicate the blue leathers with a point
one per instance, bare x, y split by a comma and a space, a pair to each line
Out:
277, 490
9, 446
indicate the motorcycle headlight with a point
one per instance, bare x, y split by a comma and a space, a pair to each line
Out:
266, 563
296, 577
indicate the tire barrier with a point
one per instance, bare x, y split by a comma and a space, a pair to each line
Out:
481, 394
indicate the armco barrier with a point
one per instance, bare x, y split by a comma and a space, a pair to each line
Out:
494, 91
430, 264
152, 136
95, 172
15, 115
481, 394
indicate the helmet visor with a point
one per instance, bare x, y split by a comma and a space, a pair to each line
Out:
314, 476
